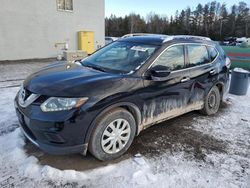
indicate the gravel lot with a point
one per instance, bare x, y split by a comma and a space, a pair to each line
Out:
189, 151
13, 73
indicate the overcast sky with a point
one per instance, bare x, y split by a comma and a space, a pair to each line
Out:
162, 7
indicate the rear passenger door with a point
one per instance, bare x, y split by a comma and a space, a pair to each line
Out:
203, 72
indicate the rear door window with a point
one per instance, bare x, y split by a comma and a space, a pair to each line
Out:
197, 54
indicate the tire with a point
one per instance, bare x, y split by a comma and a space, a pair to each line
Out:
113, 134
212, 102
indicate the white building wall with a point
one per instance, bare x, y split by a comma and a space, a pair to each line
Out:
30, 28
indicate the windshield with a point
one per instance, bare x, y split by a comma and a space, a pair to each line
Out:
120, 57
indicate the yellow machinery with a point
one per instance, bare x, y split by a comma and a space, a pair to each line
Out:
86, 41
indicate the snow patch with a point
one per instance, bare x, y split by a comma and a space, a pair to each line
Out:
8, 120
229, 169
134, 171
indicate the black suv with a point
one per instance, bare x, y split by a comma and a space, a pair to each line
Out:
102, 102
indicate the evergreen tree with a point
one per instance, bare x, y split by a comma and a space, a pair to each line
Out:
213, 19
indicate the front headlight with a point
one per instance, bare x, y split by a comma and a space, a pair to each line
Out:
59, 104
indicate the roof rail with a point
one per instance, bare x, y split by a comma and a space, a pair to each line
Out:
171, 37
168, 37
143, 34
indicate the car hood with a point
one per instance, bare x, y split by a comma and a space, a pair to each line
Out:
69, 80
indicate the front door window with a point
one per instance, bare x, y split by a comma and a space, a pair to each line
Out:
173, 58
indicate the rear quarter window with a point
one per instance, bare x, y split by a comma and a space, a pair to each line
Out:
213, 53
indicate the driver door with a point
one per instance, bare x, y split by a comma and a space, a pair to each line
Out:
169, 98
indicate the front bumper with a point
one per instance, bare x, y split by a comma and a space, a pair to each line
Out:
54, 137
54, 150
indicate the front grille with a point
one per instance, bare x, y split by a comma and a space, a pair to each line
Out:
27, 94
25, 97
40, 100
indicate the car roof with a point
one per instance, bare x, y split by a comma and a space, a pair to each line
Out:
157, 39
154, 40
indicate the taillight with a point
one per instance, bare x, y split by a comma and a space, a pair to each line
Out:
228, 62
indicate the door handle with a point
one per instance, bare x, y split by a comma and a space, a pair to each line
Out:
185, 79
212, 71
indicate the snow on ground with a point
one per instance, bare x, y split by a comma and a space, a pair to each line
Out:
19, 170
8, 120
227, 165
11, 77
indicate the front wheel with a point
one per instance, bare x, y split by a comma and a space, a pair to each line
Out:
113, 134
212, 102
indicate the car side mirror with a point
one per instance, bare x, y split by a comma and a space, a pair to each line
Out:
159, 73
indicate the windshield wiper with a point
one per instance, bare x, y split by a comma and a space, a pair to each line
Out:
102, 69
95, 67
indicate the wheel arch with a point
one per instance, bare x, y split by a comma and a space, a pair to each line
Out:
130, 107
220, 86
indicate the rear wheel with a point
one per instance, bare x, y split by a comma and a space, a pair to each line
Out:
113, 134
212, 102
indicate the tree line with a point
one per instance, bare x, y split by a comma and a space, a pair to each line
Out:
214, 20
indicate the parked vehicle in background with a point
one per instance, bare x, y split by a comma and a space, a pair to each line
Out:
234, 41
101, 104
240, 41
246, 43
110, 39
